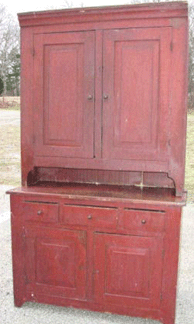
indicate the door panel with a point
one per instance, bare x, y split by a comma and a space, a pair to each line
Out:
55, 262
63, 81
128, 270
136, 78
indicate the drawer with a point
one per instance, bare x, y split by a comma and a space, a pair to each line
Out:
89, 215
41, 211
142, 220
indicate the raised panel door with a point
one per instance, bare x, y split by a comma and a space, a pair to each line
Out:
55, 262
64, 91
128, 270
136, 70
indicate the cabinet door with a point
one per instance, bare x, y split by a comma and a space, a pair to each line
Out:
64, 91
136, 94
128, 270
55, 262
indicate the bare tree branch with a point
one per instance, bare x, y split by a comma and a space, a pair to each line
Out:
9, 41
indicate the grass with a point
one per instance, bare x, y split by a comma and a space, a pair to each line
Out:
10, 103
10, 155
10, 152
189, 171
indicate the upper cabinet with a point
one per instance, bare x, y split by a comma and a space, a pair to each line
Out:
105, 89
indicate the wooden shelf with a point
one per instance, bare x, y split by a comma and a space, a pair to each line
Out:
111, 193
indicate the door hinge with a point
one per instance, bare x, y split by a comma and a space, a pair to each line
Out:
25, 278
161, 298
23, 235
33, 52
171, 46
169, 143
163, 253
23, 232
82, 238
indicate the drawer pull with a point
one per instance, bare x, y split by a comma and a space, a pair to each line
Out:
39, 212
143, 221
90, 216
90, 97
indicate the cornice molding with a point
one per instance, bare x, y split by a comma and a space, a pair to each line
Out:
68, 16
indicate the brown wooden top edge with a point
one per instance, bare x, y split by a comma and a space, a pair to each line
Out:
152, 10
105, 192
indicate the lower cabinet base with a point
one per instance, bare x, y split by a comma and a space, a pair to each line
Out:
112, 309
101, 254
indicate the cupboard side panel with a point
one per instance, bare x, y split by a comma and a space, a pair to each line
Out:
170, 267
27, 151
179, 94
18, 248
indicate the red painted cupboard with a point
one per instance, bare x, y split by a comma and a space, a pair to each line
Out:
96, 222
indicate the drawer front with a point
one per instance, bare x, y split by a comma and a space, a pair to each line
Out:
143, 220
88, 215
39, 211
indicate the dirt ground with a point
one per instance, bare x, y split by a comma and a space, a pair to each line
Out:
9, 157
10, 102
10, 147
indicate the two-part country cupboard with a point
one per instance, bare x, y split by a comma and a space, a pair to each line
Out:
96, 222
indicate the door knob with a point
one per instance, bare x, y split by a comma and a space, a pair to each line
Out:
90, 97
105, 96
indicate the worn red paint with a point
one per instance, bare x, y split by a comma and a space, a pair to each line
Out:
104, 248
104, 106
134, 55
